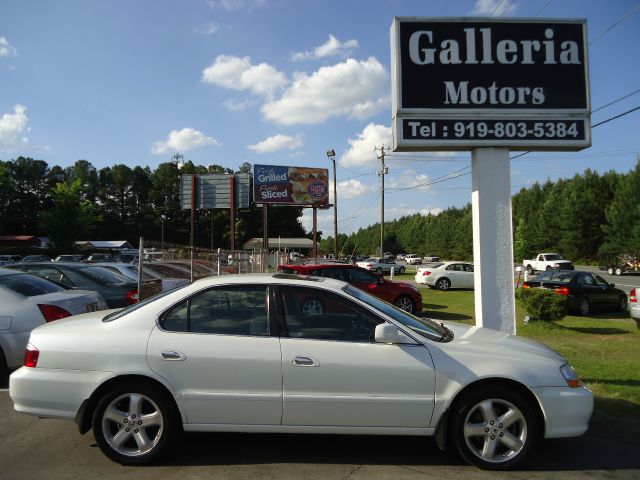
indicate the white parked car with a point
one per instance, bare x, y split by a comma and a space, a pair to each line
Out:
237, 353
381, 265
412, 259
634, 305
444, 276
28, 301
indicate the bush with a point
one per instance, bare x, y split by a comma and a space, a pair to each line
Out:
541, 304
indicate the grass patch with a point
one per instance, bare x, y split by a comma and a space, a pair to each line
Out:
603, 348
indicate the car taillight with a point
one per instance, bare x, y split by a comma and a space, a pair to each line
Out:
561, 290
31, 355
633, 298
131, 296
369, 265
426, 273
524, 285
52, 312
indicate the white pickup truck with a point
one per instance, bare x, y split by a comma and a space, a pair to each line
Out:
547, 261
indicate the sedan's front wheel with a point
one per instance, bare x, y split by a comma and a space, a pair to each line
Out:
134, 424
494, 428
406, 303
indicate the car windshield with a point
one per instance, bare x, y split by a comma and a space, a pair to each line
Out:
29, 285
424, 326
555, 256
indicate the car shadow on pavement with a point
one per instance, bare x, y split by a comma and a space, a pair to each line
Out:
598, 449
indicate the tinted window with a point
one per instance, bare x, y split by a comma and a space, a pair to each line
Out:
336, 273
362, 276
468, 267
104, 276
322, 315
29, 285
231, 310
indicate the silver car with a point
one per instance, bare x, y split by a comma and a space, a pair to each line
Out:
28, 301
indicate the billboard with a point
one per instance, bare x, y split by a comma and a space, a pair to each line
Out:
290, 185
213, 191
464, 83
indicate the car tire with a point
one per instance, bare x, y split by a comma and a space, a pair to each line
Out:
529, 270
4, 369
379, 271
494, 427
406, 303
443, 284
548, 269
584, 306
401, 270
312, 306
623, 303
135, 423
610, 270
619, 271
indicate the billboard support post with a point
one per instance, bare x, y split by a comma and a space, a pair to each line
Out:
265, 224
492, 239
194, 183
315, 232
232, 212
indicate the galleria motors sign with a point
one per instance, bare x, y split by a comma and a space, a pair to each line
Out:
464, 83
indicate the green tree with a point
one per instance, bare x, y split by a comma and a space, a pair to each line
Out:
69, 218
622, 227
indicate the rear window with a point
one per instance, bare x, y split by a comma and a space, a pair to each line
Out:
102, 275
29, 285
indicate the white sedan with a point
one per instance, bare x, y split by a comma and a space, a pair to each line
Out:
28, 301
381, 265
238, 354
444, 276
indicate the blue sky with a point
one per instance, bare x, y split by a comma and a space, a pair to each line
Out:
274, 82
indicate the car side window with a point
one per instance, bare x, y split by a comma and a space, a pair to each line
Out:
51, 274
321, 315
586, 280
600, 281
336, 273
361, 276
230, 310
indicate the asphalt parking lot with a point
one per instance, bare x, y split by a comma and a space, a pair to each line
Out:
33, 448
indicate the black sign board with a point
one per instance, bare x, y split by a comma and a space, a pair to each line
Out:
463, 83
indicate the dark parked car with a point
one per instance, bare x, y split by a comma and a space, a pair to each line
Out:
586, 292
117, 290
403, 295
36, 258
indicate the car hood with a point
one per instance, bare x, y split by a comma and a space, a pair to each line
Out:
484, 341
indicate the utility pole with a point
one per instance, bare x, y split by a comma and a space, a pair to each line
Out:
382, 173
331, 155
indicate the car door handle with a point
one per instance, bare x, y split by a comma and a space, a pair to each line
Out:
173, 355
303, 361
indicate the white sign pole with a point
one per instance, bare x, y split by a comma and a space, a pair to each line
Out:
492, 239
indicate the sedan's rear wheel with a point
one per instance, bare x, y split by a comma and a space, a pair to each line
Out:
406, 303
584, 307
133, 425
443, 284
494, 428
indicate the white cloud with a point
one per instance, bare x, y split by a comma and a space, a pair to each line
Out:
237, 73
6, 49
333, 47
352, 188
12, 125
183, 140
361, 150
496, 8
408, 179
237, 105
352, 88
277, 143
207, 29
431, 211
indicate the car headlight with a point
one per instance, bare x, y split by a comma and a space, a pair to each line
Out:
570, 376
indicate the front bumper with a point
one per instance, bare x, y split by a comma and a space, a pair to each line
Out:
566, 410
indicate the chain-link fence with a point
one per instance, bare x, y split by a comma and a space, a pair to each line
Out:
177, 265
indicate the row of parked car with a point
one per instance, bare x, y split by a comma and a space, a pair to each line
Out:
33, 293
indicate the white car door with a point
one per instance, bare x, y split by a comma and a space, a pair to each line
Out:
466, 277
334, 374
216, 352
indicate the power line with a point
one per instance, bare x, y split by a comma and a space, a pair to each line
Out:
544, 6
617, 116
497, 7
616, 101
618, 22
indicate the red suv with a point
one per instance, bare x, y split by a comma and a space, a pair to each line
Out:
403, 295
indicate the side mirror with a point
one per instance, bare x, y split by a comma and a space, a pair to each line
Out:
387, 333
612, 285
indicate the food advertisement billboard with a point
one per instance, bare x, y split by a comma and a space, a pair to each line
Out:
290, 185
